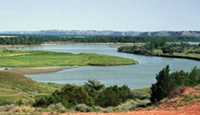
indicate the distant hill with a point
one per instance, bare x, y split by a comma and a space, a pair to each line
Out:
103, 33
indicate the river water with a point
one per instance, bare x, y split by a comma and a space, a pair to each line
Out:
135, 76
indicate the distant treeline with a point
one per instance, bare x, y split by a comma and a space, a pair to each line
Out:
34, 40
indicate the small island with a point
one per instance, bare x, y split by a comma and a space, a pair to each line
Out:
27, 58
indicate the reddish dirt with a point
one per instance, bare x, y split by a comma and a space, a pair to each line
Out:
167, 108
193, 109
188, 91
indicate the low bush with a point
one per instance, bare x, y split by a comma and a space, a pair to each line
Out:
58, 107
90, 94
83, 108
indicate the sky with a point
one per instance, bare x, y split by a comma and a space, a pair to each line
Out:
117, 15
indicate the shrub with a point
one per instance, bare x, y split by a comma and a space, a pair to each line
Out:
163, 86
69, 96
176, 92
108, 110
124, 108
9, 107
194, 76
20, 102
136, 94
168, 85
107, 98
94, 84
93, 87
83, 108
74, 95
58, 107
113, 96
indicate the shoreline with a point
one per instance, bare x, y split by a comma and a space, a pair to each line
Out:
180, 57
36, 70
169, 56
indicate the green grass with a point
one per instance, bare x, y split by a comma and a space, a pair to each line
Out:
17, 81
15, 86
27, 58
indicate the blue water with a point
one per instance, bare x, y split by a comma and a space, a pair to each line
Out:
135, 76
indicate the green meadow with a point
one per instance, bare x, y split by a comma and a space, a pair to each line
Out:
27, 58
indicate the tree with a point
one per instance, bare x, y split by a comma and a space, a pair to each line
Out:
194, 76
163, 86
108, 97
113, 96
93, 87
94, 84
74, 95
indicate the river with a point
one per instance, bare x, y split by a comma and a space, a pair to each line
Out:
135, 76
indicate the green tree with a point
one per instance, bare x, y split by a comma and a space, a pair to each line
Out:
107, 98
194, 76
163, 86
113, 96
93, 87
74, 95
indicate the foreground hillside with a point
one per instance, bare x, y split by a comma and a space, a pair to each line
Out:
188, 103
173, 93
15, 86
26, 58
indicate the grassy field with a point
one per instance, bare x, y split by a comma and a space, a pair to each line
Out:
27, 58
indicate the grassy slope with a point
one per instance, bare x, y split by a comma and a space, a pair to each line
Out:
15, 86
26, 58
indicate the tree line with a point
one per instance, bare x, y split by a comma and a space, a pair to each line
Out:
35, 40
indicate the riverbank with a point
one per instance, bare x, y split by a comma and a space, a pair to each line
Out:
40, 70
176, 56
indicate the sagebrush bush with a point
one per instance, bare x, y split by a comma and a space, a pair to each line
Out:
108, 110
9, 107
124, 108
83, 108
58, 107
140, 95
